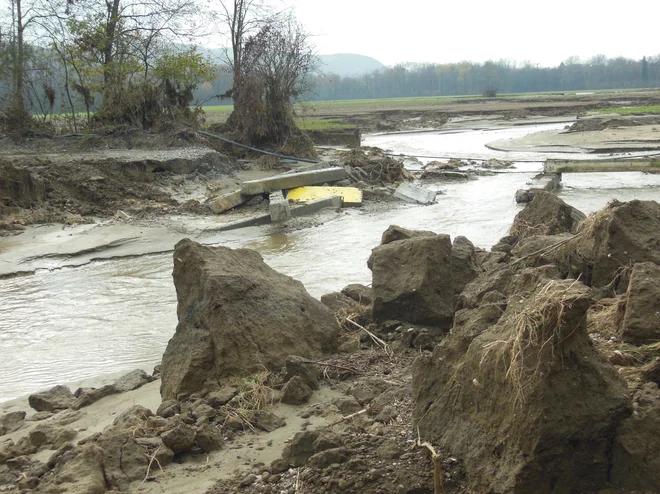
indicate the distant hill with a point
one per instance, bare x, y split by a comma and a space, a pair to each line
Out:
348, 64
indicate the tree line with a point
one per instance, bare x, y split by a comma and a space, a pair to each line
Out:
488, 78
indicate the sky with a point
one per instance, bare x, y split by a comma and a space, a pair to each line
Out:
543, 32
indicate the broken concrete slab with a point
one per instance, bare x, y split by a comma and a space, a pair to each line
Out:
350, 196
265, 219
412, 193
279, 208
308, 168
282, 182
228, 201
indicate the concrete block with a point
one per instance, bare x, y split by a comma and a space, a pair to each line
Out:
314, 206
350, 196
291, 181
228, 201
412, 193
279, 208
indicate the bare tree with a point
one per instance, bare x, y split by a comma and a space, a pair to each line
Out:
276, 69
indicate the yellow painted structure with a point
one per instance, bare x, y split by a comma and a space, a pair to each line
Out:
350, 196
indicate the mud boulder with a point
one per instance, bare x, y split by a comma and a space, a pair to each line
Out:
531, 405
237, 315
612, 239
10, 422
412, 281
546, 214
641, 322
52, 400
19, 188
464, 263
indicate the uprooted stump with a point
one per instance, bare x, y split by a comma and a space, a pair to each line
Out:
236, 316
531, 406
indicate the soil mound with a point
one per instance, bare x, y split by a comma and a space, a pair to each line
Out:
237, 315
19, 189
531, 405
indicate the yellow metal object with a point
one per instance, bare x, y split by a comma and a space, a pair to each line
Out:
350, 196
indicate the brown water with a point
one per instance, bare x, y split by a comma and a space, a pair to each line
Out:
74, 323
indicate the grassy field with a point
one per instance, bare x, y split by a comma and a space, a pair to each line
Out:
633, 110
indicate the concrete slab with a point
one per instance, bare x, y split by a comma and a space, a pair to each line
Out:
350, 196
413, 193
281, 182
581, 166
314, 206
228, 201
279, 208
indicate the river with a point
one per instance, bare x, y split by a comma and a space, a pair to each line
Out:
66, 325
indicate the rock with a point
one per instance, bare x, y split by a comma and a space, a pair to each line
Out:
351, 345
84, 474
347, 404
124, 460
614, 238
39, 416
132, 380
389, 450
169, 408
410, 281
296, 366
548, 401
219, 398
387, 414
180, 439
220, 334
248, 480
266, 421
361, 294
48, 436
278, 466
87, 396
134, 417
156, 371
209, 438
493, 280
464, 263
337, 301
641, 321
546, 214
524, 196
395, 233
636, 450
328, 457
327, 440
10, 422
301, 448
296, 391
56, 398
365, 390
203, 411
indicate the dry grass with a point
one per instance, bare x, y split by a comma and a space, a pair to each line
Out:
523, 229
255, 392
605, 317
539, 333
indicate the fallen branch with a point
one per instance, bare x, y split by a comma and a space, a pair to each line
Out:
437, 463
375, 338
347, 417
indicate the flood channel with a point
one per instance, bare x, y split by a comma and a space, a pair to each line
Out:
70, 324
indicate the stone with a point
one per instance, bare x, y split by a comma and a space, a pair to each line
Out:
83, 474
464, 263
301, 448
395, 233
327, 440
365, 390
296, 391
546, 214
412, 281
248, 480
47, 436
387, 415
347, 404
168, 408
641, 320
87, 396
363, 295
297, 366
132, 380
54, 399
266, 421
11, 422
209, 438
220, 334
548, 430
221, 397
180, 439
337, 301
328, 457
389, 450
279, 465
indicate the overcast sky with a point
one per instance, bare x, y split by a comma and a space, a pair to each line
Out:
547, 33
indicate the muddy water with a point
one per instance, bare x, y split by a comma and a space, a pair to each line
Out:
71, 324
